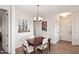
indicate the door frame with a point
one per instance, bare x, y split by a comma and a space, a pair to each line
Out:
4, 33
9, 29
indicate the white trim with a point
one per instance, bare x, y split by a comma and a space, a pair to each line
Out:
9, 36
12, 23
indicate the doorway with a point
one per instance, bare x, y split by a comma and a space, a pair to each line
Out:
64, 27
65, 30
3, 31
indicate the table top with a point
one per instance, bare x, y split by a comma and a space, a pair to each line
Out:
35, 41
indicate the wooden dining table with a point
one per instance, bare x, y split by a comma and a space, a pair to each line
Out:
35, 42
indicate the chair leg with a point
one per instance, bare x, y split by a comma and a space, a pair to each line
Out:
24, 52
43, 51
46, 51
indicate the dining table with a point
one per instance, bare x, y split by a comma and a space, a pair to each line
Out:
36, 42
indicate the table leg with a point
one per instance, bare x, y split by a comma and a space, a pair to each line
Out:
49, 44
34, 49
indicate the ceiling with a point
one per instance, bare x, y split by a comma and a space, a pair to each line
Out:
47, 9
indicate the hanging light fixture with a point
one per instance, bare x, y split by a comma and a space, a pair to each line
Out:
38, 18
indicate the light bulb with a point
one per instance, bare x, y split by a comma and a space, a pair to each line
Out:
41, 18
38, 18
34, 18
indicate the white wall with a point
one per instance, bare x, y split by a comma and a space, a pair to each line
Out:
20, 15
75, 29
52, 29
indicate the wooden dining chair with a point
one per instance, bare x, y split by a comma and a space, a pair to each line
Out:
26, 47
44, 45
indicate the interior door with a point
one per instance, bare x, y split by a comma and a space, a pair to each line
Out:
66, 28
5, 31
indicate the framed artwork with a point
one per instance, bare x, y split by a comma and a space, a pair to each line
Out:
44, 25
23, 26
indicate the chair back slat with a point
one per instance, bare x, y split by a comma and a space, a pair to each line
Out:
45, 40
25, 43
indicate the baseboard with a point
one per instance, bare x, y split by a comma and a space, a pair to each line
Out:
54, 42
75, 43
66, 40
12, 52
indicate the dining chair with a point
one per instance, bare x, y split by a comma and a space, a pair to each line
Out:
26, 47
44, 45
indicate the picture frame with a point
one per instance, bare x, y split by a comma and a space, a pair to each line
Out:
44, 25
23, 26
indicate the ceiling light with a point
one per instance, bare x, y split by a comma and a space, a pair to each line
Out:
64, 14
38, 18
